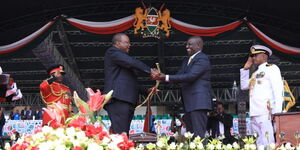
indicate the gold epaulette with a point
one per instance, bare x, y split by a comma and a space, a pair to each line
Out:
268, 65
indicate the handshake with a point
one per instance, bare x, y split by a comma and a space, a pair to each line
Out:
157, 75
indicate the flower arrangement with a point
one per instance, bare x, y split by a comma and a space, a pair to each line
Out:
80, 132
213, 144
83, 131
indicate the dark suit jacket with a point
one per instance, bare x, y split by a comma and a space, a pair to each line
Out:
29, 114
23, 114
120, 75
226, 119
195, 83
213, 125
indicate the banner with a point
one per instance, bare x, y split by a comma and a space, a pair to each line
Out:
276, 45
136, 126
21, 126
25, 41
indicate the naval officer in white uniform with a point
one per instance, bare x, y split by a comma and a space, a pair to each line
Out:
265, 92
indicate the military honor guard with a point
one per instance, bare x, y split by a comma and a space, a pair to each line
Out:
52, 91
265, 92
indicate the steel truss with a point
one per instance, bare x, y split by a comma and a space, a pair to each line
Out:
49, 55
150, 44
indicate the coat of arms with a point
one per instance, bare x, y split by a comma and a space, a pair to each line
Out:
150, 22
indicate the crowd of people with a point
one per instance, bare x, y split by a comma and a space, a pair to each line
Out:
28, 113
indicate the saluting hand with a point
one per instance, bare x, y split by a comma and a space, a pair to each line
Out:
249, 63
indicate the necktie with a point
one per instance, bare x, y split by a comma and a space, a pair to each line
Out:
190, 59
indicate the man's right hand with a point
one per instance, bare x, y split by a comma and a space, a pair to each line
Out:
249, 63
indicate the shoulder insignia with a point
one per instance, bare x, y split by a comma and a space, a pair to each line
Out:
268, 65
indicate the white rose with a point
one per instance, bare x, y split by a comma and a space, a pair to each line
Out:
81, 136
210, 146
247, 146
188, 135
261, 147
229, 146
200, 146
192, 145
172, 146
60, 132
236, 145
252, 147
71, 132
7, 146
47, 130
116, 138
105, 140
272, 146
76, 142
93, 146
288, 146
61, 147
45, 146
112, 146
37, 138
219, 146
181, 145
160, 144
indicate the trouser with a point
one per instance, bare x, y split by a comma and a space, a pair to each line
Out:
262, 125
120, 114
196, 122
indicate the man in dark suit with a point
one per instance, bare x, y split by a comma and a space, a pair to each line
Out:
194, 77
221, 123
120, 76
29, 113
23, 114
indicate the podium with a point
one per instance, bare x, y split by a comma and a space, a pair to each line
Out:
287, 124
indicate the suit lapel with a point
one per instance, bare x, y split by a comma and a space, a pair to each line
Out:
192, 62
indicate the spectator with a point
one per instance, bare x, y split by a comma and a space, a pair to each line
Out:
40, 114
29, 113
180, 129
152, 126
23, 114
17, 115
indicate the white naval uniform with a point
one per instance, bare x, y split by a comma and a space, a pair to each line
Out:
265, 86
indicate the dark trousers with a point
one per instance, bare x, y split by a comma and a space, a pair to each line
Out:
196, 122
120, 114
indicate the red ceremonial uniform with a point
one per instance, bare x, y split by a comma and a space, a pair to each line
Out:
53, 93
